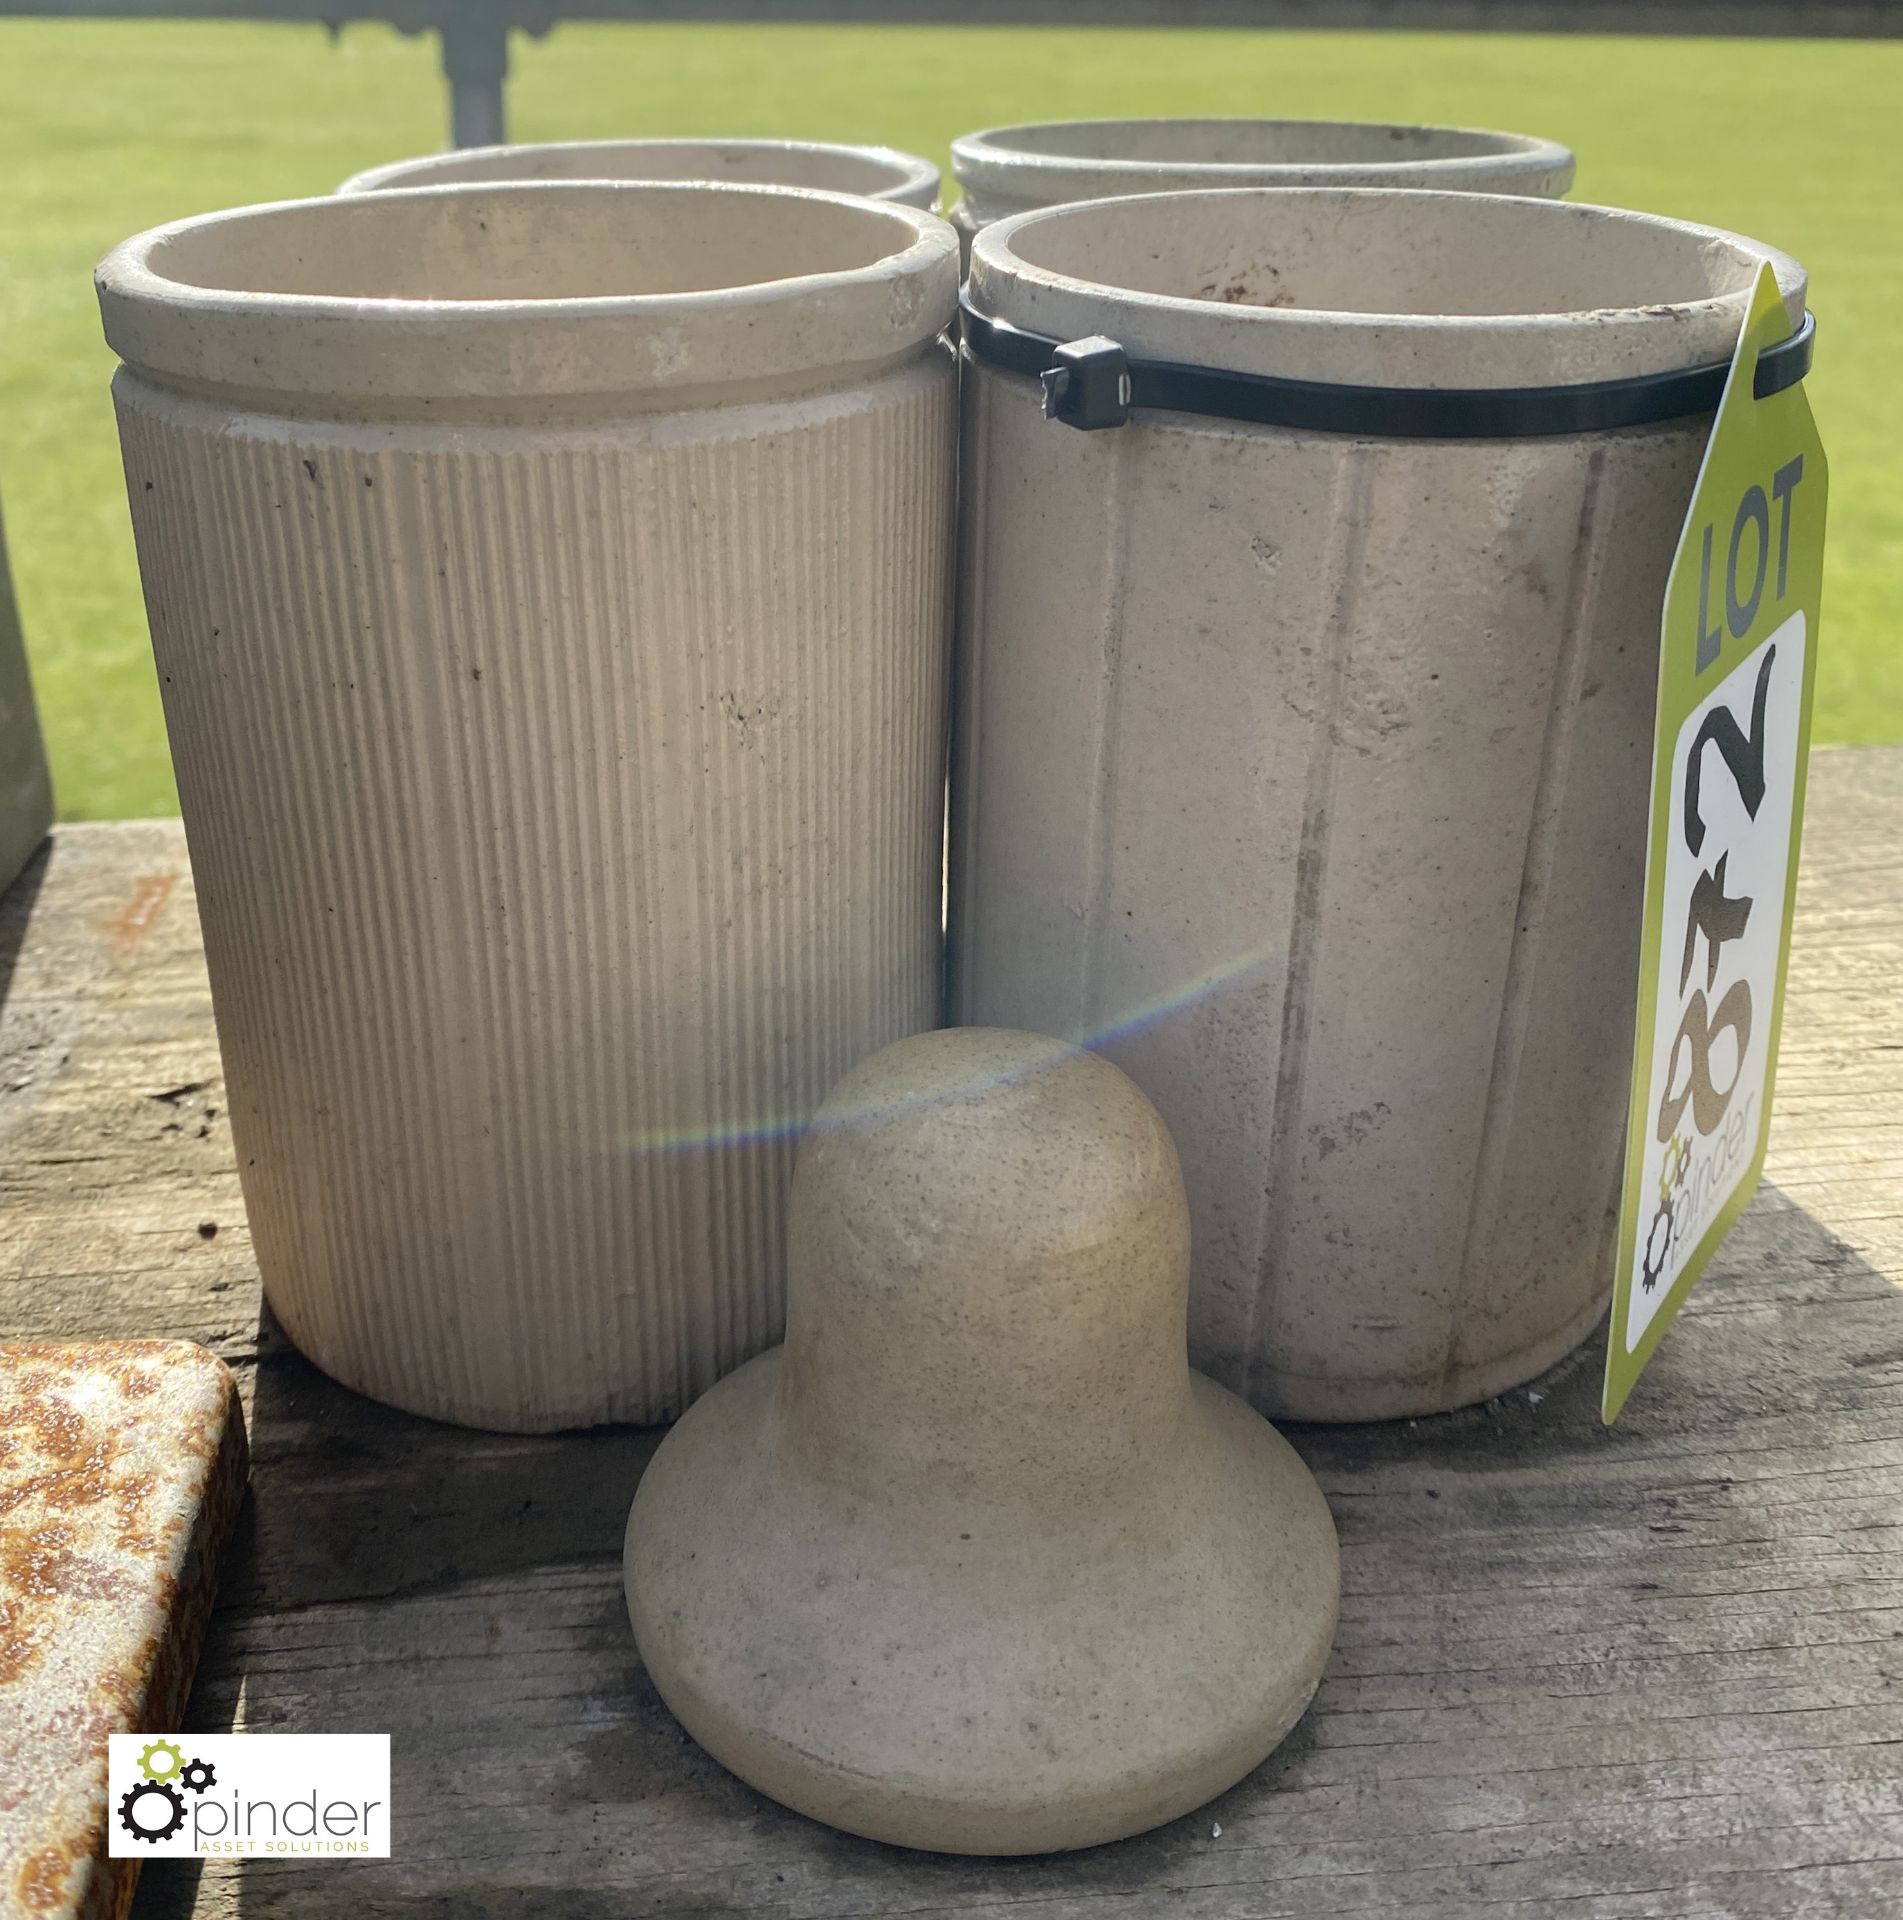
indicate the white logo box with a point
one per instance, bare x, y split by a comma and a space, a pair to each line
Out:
282, 1796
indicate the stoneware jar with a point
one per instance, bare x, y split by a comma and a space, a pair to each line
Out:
26, 790
974, 1562
1303, 767
878, 173
1007, 170
549, 589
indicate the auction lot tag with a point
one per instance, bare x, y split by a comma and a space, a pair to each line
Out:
1737, 658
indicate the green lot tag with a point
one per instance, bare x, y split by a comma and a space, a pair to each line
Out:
1737, 657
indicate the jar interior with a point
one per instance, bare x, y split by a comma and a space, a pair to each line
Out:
529, 243
1251, 143
1386, 253
831, 170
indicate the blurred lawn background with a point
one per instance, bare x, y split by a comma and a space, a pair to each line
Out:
109, 127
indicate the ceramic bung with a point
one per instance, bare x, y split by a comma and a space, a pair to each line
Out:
549, 591
974, 1562
1303, 769
1007, 170
877, 173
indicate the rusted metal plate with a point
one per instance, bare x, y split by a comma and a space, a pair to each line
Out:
122, 1465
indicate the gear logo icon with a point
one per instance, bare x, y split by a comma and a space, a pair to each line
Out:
1658, 1244
152, 1811
153, 1808
167, 1763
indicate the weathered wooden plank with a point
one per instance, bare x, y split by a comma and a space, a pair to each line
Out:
1656, 1671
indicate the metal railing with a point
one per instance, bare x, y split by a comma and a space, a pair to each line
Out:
475, 33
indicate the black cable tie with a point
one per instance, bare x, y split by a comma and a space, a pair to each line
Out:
1093, 383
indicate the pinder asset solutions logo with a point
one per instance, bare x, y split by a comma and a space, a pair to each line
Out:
278, 1795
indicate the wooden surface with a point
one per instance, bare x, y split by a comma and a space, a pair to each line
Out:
1657, 1671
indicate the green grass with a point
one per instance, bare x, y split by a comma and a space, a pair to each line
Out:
107, 127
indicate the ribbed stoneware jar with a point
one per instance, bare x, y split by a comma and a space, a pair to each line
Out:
549, 589
1007, 170
878, 173
1304, 770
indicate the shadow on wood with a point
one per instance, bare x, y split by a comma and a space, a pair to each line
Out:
1568, 1657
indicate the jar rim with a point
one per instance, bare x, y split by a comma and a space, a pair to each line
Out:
515, 289
1628, 294
1055, 160
889, 173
